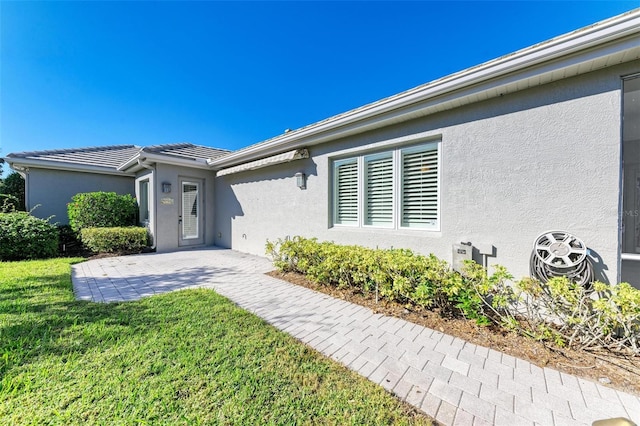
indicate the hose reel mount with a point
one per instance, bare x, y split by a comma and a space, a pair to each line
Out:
559, 253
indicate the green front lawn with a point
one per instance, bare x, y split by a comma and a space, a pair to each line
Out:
189, 357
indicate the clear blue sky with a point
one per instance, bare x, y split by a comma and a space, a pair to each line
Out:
230, 74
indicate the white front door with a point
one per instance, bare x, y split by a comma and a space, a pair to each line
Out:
191, 222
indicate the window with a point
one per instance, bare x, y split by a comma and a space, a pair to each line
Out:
379, 189
143, 201
392, 189
420, 187
346, 190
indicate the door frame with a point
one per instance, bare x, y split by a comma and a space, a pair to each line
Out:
198, 239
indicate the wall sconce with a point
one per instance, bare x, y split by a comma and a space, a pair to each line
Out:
166, 187
301, 180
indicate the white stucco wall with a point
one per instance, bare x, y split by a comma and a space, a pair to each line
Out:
53, 189
513, 167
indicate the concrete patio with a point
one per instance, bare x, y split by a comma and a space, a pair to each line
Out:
456, 382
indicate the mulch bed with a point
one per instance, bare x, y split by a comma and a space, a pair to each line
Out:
609, 369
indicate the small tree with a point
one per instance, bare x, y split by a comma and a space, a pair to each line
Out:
13, 187
101, 210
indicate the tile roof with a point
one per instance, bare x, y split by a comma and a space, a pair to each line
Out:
186, 150
113, 156
102, 156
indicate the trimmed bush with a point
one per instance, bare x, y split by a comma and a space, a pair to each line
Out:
395, 274
115, 240
101, 210
23, 236
559, 311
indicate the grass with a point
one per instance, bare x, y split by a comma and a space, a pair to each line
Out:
189, 357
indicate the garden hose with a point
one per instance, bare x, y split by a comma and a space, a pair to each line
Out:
560, 254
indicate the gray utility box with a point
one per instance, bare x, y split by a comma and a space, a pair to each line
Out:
461, 252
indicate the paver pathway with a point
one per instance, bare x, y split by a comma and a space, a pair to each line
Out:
456, 382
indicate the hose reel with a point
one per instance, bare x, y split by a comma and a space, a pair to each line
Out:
561, 254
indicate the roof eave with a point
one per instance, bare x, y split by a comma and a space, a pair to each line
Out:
26, 163
570, 50
133, 165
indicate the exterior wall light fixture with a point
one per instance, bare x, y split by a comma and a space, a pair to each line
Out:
166, 187
301, 180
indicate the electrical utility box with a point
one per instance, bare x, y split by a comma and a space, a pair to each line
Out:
461, 252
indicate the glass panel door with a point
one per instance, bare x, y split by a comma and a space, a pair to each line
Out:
630, 233
190, 210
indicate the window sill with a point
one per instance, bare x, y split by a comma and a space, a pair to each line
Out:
409, 232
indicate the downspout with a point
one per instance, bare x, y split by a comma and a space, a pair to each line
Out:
141, 163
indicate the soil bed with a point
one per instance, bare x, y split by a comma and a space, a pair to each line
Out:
609, 369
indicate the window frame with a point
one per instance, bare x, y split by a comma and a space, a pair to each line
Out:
396, 153
335, 209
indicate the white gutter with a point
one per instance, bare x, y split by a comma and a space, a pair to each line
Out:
569, 50
17, 162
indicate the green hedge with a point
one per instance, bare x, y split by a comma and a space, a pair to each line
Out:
604, 316
23, 236
396, 274
115, 240
101, 210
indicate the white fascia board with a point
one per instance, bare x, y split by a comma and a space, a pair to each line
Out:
570, 50
129, 163
150, 158
24, 164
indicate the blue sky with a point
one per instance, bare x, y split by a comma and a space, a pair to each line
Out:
230, 74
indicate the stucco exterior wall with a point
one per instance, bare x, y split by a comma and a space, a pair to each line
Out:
167, 205
53, 189
542, 159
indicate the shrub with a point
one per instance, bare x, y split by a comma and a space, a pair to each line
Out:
602, 316
23, 236
9, 203
395, 274
116, 239
101, 210
560, 311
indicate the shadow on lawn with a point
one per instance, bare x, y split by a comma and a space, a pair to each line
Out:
45, 319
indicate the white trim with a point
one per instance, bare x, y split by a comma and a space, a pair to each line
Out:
285, 157
58, 165
396, 154
142, 159
630, 256
198, 201
150, 177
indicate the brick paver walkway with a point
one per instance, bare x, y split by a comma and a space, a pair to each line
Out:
456, 382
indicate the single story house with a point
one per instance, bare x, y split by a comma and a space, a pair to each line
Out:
546, 138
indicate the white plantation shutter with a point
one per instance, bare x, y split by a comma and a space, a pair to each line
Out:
420, 187
346, 192
379, 190
189, 210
